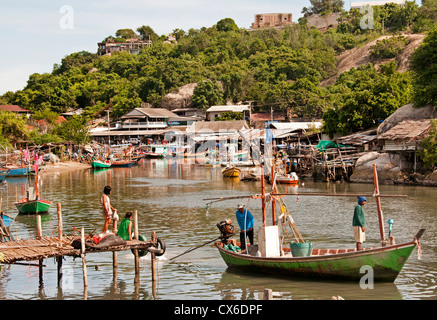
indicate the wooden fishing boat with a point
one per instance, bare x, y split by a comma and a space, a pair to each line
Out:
36, 206
97, 164
335, 264
231, 172
123, 163
269, 256
32, 204
290, 178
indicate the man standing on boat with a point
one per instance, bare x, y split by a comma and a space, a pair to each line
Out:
246, 222
358, 222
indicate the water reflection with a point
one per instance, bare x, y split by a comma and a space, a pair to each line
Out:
169, 196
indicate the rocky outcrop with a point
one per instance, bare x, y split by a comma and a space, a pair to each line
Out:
179, 99
391, 168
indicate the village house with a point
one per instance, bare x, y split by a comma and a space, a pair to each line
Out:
404, 139
15, 109
142, 123
215, 111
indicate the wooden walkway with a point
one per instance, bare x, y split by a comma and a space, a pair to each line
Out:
48, 247
40, 248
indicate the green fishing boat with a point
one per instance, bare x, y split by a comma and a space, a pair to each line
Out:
299, 258
26, 206
331, 264
97, 164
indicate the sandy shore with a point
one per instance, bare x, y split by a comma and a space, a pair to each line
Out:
65, 166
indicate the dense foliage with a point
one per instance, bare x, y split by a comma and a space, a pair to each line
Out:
273, 68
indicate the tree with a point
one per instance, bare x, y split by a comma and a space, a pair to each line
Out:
74, 130
424, 66
147, 33
126, 33
323, 7
207, 94
428, 153
12, 128
227, 24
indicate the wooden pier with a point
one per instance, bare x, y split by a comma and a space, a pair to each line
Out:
42, 247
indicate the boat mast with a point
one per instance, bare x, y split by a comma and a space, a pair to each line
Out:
378, 206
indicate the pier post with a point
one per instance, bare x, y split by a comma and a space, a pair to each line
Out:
82, 254
38, 227
60, 231
114, 253
153, 257
136, 254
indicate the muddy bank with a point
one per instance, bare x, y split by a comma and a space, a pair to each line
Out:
392, 169
64, 166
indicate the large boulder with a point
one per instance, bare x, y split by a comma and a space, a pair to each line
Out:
179, 99
407, 112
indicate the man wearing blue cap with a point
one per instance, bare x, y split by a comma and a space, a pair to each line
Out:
358, 222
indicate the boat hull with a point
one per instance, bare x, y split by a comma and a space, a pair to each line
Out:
18, 172
123, 164
3, 174
100, 164
33, 206
231, 172
385, 263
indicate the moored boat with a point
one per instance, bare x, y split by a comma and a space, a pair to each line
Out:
231, 172
123, 163
290, 178
36, 206
97, 164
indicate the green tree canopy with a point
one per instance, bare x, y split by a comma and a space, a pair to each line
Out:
424, 66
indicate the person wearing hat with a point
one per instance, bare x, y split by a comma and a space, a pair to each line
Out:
358, 222
246, 222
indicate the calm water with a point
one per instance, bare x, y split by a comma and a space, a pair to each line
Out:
169, 196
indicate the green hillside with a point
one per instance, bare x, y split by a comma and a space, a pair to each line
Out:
283, 69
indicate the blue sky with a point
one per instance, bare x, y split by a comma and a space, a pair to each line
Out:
37, 34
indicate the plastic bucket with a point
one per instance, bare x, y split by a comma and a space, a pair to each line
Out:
301, 249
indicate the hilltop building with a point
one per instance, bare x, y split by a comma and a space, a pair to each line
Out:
269, 20
132, 46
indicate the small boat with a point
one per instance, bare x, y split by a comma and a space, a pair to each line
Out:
97, 164
123, 163
3, 174
231, 172
32, 204
290, 178
36, 206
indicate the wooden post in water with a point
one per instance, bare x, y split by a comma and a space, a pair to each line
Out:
153, 256
114, 253
38, 227
82, 254
136, 254
60, 231
378, 206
